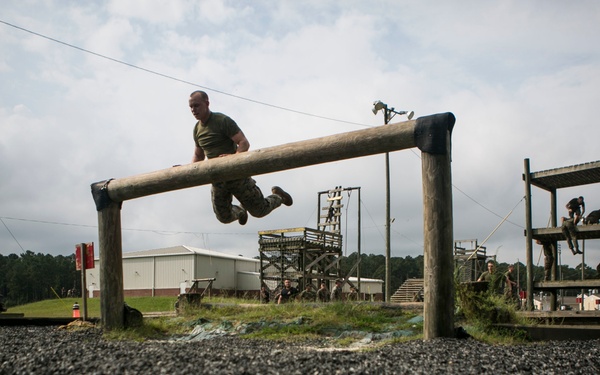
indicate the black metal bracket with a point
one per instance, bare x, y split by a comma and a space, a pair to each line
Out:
100, 194
431, 132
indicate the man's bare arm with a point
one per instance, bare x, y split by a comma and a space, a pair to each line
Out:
241, 141
198, 154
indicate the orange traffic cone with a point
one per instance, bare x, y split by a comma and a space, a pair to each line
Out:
76, 313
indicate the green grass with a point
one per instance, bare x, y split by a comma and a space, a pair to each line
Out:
297, 321
294, 321
479, 314
63, 308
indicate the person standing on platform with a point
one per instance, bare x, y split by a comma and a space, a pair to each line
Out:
576, 209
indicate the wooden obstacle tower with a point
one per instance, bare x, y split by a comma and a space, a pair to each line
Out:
304, 255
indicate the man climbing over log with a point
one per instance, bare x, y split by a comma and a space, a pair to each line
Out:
217, 135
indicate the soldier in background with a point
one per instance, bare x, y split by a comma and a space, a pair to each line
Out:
353, 295
568, 229
592, 218
576, 208
307, 295
511, 289
323, 293
492, 277
288, 293
336, 293
548, 248
264, 295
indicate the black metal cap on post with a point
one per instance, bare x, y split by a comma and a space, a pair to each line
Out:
100, 194
431, 132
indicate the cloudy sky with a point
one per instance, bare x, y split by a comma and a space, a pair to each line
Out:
98, 90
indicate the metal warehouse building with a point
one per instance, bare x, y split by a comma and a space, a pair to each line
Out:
169, 271
165, 272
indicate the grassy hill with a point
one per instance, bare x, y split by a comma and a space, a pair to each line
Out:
59, 308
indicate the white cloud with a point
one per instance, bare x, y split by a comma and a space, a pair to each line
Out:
113, 37
520, 78
168, 12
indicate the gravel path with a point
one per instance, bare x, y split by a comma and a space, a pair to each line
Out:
48, 350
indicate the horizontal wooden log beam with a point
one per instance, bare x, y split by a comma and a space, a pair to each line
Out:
354, 144
426, 132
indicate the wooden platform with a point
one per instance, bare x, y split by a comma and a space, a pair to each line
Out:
568, 284
557, 332
563, 177
561, 314
584, 232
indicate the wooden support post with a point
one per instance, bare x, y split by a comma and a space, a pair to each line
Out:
554, 270
438, 309
528, 234
84, 311
112, 302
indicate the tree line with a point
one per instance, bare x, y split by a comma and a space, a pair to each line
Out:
31, 277
373, 266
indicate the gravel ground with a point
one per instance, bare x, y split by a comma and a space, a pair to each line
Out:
48, 350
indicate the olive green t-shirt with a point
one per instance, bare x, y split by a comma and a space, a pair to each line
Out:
214, 136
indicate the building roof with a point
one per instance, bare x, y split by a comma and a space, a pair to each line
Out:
353, 279
574, 175
184, 250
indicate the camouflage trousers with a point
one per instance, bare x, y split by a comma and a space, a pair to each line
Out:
249, 196
548, 261
568, 229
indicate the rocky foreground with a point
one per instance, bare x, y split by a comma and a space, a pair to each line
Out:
48, 350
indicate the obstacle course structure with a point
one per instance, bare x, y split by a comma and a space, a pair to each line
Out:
551, 181
305, 255
298, 254
470, 259
431, 134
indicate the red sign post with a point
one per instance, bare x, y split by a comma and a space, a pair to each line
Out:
84, 255
89, 256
